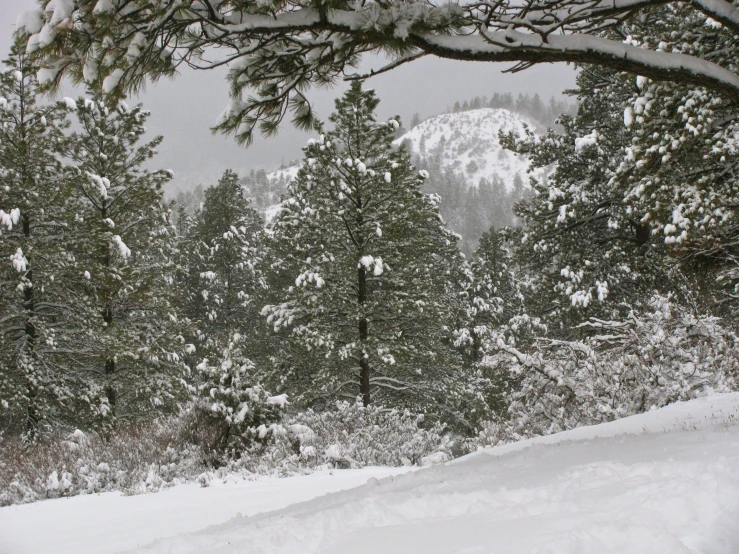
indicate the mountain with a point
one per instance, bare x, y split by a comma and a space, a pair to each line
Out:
467, 143
478, 180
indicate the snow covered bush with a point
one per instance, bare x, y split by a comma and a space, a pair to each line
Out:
349, 436
649, 360
178, 449
142, 458
238, 412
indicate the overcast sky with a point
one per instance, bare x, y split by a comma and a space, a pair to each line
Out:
184, 109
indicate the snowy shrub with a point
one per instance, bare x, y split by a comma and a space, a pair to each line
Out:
142, 458
178, 449
348, 437
652, 359
238, 412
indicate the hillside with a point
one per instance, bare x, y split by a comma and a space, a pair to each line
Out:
467, 142
662, 482
479, 181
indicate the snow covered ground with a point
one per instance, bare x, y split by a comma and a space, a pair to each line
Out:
657, 483
110, 522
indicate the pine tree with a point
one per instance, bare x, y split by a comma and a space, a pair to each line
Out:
679, 171
225, 258
496, 295
36, 330
376, 277
591, 255
222, 288
496, 312
125, 244
234, 406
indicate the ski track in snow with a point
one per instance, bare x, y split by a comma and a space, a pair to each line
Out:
665, 482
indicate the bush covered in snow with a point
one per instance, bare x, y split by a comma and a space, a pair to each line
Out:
645, 362
350, 436
179, 449
143, 458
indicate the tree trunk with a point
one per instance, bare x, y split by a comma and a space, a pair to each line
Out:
364, 366
30, 335
110, 392
109, 365
476, 346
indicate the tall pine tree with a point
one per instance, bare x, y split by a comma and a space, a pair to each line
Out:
36, 327
375, 278
125, 244
224, 249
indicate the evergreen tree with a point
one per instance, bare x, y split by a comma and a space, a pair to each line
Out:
375, 277
125, 244
679, 171
496, 295
591, 255
495, 312
36, 328
223, 286
228, 400
187, 203
224, 250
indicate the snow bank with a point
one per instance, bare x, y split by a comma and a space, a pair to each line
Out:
110, 522
661, 482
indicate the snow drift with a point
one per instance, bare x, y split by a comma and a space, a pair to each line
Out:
662, 482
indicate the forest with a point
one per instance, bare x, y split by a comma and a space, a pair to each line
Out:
372, 320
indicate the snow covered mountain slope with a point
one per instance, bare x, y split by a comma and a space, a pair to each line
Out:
468, 142
465, 141
665, 482
284, 175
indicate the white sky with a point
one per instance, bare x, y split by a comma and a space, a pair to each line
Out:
185, 108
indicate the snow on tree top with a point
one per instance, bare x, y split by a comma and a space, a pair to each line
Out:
469, 143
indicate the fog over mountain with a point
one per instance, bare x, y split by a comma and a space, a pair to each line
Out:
184, 109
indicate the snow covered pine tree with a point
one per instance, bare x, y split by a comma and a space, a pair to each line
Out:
223, 247
125, 245
592, 252
36, 326
222, 290
375, 275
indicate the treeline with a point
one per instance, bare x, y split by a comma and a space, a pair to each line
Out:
263, 189
543, 113
247, 337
